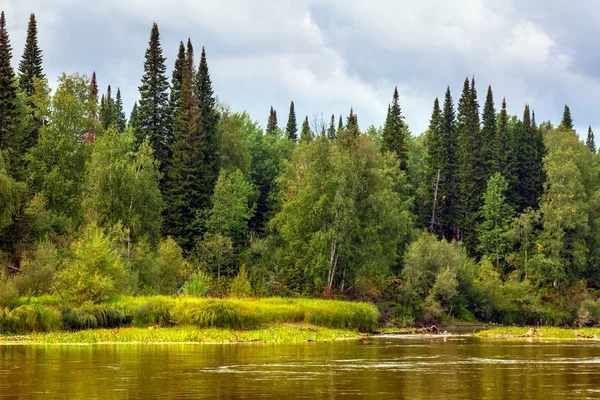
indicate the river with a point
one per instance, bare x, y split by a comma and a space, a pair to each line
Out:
377, 368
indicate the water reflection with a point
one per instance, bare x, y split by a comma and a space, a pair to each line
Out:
411, 368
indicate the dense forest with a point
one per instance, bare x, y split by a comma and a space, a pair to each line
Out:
485, 216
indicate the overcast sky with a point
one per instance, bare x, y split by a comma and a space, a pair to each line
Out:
329, 55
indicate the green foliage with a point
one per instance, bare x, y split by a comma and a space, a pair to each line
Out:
8, 291
94, 270
590, 142
12, 194
240, 286
395, 132
567, 120
37, 271
171, 265
8, 90
292, 128
196, 285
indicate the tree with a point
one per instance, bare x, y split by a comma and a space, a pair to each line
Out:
488, 136
395, 132
232, 207
436, 159
331, 133
497, 217
292, 128
449, 189
8, 90
306, 134
183, 192
340, 125
108, 116
134, 122
567, 121
502, 145
12, 194
121, 186
175, 94
153, 107
590, 142
272, 122
352, 123
31, 63
121, 120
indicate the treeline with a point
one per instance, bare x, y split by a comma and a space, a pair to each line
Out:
485, 216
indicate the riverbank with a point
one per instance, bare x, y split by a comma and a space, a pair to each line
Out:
285, 333
546, 333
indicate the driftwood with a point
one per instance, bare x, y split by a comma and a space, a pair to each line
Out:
530, 333
427, 330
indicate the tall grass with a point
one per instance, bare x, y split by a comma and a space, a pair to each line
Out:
49, 315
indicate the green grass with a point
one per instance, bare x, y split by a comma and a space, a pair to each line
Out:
541, 333
47, 314
279, 333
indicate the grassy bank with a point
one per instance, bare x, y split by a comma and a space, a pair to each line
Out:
274, 334
550, 333
50, 314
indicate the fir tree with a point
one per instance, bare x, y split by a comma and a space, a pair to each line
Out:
436, 157
120, 119
31, 63
107, 110
352, 123
210, 147
502, 145
272, 122
567, 121
394, 136
174, 93
340, 125
183, 191
153, 107
8, 90
306, 136
487, 138
331, 134
449, 189
590, 142
133, 117
292, 128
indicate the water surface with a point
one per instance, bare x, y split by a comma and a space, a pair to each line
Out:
379, 368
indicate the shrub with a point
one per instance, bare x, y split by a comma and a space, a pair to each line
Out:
240, 286
171, 265
8, 291
37, 272
196, 285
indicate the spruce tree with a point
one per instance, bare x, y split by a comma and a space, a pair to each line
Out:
567, 121
449, 189
352, 123
436, 156
8, 90
94, 87
107, 110
306, 136
174, 93
331, 134
183, 191
292, 128
153, 107
210, 138
502, 145
590, 142
340, 125
272, 122
31, 63
133, 117
120, 119
487, 138
394, 136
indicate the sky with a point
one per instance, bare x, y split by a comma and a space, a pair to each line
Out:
330, 55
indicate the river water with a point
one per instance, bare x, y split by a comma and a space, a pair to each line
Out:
377, 368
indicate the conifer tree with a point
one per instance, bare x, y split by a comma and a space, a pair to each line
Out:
272, 121
340, 125
174, 93
352, 123
94, 87
590, 142
120, 120
567, 121
183, 191
107, 110
8, 90
487, 138
502, 145
331, 134
436, 156
133, 117
394, 136
306, 136
292, 128
449, 189
153, 107
210, 139
31, 63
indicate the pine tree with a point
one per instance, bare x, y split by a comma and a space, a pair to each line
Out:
31, 63
306, 136
272, 122
590, 142
120, 119
153, 107
292, 128
567, 121
174, 93
469, 171
394, 136
210, 147
133, 117
183, 191
352, 123
331, 134
487, 138
449, 189
8, 90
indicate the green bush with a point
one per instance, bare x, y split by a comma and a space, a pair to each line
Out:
196, 285
240, 286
